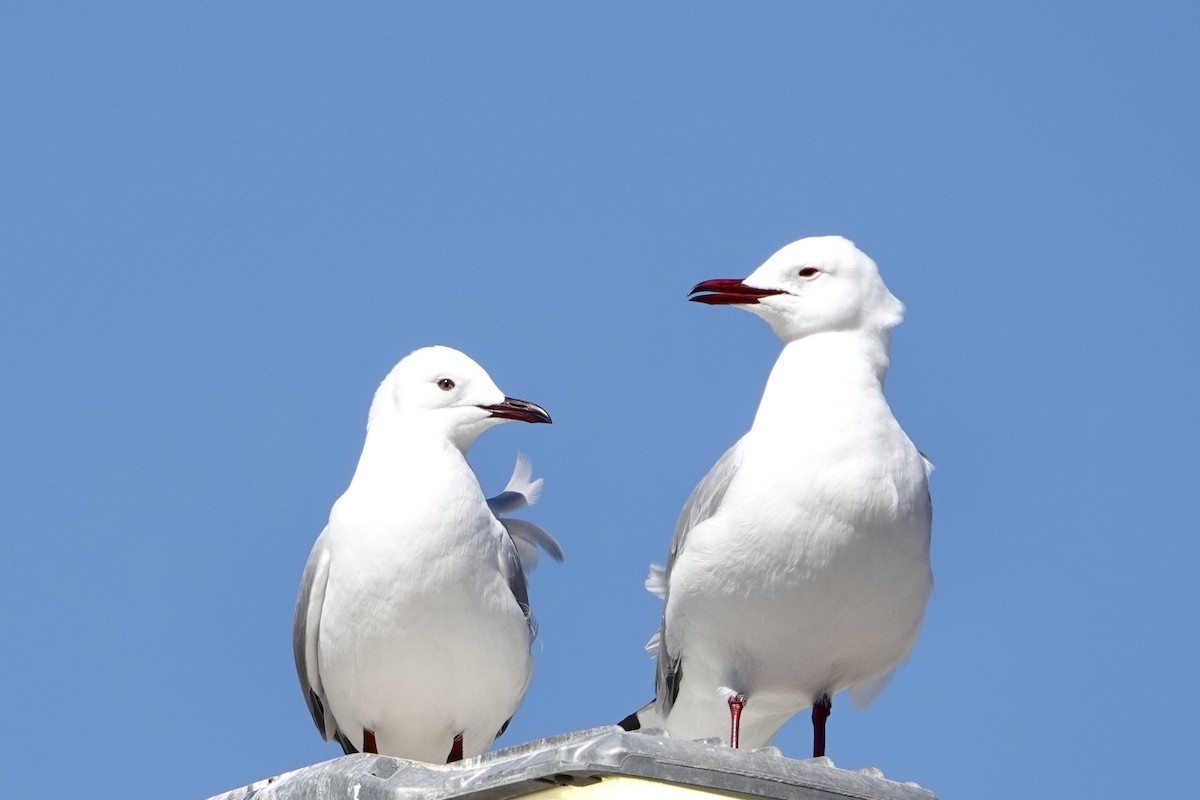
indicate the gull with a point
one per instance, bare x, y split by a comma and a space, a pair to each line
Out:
799, 566
412, 629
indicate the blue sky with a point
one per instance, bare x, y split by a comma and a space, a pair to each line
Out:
221, 225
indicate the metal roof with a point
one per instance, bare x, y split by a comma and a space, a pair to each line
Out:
596, 763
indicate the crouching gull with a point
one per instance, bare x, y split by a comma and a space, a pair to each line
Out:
800, 564
412, 629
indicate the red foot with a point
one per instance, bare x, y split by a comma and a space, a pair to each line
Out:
736, 704
369, 745
455, 750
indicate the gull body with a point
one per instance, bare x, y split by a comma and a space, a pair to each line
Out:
800, 564
412, 629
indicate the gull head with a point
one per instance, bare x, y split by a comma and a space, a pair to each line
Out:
445, 392
818, 284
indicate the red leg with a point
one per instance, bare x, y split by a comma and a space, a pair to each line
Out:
821, 708
369, 745
455, 750
736, 704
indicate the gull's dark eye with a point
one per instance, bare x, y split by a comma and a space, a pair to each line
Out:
445, 384
808, 272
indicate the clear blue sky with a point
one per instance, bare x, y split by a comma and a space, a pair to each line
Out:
220, 226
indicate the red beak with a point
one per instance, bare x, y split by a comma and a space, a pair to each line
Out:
728, 292
512, 408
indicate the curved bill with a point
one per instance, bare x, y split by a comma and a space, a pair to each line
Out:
512, 408
728, 292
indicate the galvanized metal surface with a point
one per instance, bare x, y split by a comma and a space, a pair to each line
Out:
581, 758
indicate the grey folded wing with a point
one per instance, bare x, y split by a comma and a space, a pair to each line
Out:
528, 538
518, 555
703, 503
514, 575
306, 629
521, 539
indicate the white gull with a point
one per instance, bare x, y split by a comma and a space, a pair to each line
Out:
800, 564
412, 628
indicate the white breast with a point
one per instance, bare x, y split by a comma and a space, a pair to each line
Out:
421, 637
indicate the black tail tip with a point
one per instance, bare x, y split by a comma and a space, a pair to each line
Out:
631, 723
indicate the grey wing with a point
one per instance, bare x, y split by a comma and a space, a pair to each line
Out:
528, 538
521, 539
704, 500
523, 490
928, 465
306, 628
514, 575
506, 502
703, 503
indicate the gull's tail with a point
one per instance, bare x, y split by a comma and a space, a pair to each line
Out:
645, 717
648, 716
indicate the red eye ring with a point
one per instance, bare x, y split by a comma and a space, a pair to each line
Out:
808, 272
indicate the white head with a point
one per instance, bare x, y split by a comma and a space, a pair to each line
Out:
818, 284
446, 392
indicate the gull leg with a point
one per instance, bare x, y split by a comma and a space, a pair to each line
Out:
369, 745
820, 712
455, 750
736, 703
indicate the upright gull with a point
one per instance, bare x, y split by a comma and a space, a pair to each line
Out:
800, 564
412, 629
